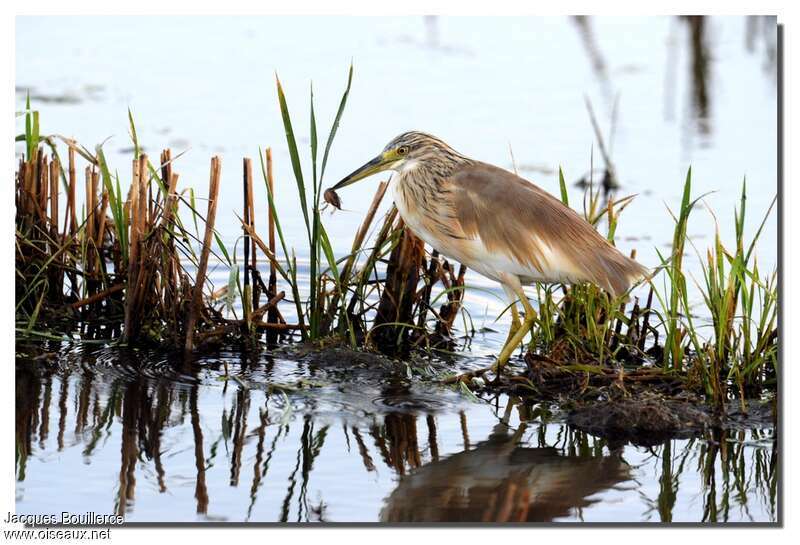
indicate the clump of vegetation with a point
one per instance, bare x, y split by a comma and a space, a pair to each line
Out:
132, 267
120, 267
598, 340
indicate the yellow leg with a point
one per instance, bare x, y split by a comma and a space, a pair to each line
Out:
519, 333
516, 333
515, 323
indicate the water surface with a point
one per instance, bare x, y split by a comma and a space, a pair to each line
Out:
157, 440
667, 95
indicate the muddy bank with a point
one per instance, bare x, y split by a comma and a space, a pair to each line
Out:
643, 406
649, 419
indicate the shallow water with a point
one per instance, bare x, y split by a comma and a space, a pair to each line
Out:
156, 440
486, 85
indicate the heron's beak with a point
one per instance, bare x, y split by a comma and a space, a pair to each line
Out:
379, 163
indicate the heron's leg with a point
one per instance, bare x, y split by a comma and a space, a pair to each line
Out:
513, 289
512, 283
515, 323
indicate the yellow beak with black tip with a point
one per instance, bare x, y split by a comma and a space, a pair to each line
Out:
380, 163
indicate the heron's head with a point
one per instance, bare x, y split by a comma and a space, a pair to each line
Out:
406, 151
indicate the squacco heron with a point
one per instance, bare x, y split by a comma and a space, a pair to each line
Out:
497, 224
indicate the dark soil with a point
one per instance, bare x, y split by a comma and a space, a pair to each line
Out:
644, 419
643, 405
648, 418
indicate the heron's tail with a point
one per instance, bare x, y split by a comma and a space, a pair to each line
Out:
616, 272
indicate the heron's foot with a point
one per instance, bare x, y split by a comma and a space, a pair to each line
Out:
474, 377
477, 377
516, 336
498, 366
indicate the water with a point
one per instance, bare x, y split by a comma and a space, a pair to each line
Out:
163, 441
484, 84
155, 440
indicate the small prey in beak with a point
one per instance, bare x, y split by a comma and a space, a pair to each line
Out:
332, 198
385, 161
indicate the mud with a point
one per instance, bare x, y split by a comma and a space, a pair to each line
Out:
649, 419
641, 407
645, 419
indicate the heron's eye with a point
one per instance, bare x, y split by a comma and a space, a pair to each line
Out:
402, 150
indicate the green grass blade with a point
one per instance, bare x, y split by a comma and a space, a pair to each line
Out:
222, 247
295, 157
115, 202
336, 121
28, 128
325, 243
291, 276
314, 250
134, 138
563, 185
35, 134
314, 145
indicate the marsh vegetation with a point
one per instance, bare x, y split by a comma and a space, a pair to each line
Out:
130, 268
245, 369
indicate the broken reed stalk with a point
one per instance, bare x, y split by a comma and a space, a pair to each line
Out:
71, 214
394, 314
170, 267
253, 254
53, 173
171, 179
449, 310
133, 251
99, 296
56, 273
30, 191
42, 187
96, 208
272, 303
71, 206
273, 316
139, 259
197, 294
137, 285
247, 192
